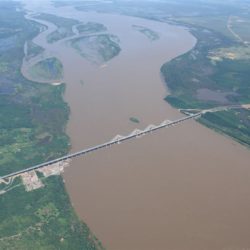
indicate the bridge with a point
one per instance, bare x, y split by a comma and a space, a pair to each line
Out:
116, 140
119, 138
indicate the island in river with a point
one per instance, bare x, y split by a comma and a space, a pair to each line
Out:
33, 117
169, 190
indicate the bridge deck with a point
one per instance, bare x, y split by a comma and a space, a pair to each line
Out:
100, 146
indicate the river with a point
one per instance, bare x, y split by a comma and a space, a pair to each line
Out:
186, 187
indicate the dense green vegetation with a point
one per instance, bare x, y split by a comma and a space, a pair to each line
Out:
219, 63
33, 117
233, 123
90, 27
215, 64
134, 119
64, 26
28, 110
42, 219
150, 34
47, 70
33, 50
159, 10
194, 70
97, 48
241, 24
217, 23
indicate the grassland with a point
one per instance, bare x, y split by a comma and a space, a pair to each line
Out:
64, 26
50, 69
33, 117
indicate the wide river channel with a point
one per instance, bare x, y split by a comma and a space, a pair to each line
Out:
185, 187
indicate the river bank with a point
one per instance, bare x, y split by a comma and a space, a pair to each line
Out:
151, 193
33, 117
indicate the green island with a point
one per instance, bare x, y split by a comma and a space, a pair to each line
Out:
50, 69
64, 26
216, 71
150, 34
134, 120
32, 50
33, 117
97, 48
90, 27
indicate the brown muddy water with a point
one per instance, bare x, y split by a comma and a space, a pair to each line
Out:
185, 187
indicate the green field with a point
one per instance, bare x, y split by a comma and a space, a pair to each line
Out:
33, 118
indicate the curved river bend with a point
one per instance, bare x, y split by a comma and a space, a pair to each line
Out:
183, 188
